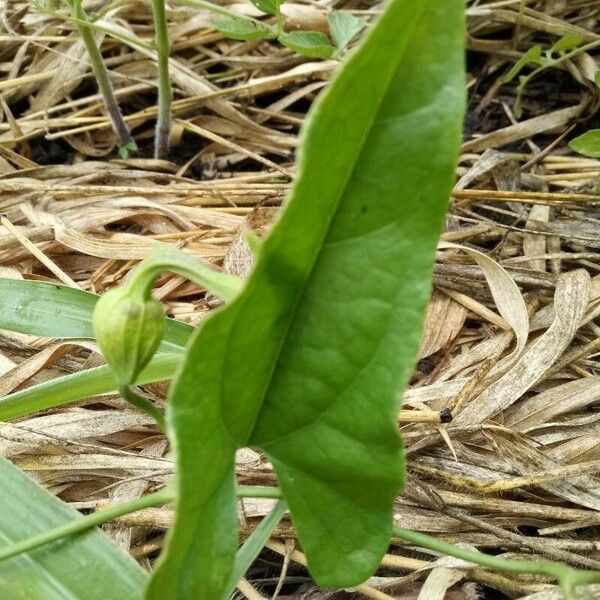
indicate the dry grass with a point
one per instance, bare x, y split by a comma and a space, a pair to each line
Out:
511, 338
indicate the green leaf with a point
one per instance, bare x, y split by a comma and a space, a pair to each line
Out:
270, 7
84, 384
51, 310
587, 144
344, 26
88, 567
313, 44
125, 150
566, 43
533, 55
238, 28
309, 361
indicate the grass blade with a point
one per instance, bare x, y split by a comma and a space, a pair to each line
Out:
253, 546
87, 383
90, 566
52, 310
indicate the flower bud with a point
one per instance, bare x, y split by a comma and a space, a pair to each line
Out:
129, 329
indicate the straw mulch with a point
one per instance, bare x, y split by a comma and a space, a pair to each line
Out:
512, 351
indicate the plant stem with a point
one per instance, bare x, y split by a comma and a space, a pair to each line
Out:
163, 122
160, 498
170, 259
102, 77
258, 491
143, 404
279, 17
568, 577
82, 524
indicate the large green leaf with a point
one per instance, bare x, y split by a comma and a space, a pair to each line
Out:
309, 361
86, 567
52, 310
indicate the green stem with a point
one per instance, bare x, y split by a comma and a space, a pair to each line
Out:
102, 77
143, 404
160, 498
568, 577
280, 23
163, 123
87, 522
170, 259
258, 491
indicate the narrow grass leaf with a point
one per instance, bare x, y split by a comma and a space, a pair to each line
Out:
253, 546
52, 310
89, 566
76, 386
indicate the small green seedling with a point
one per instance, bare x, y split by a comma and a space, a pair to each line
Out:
588, 143
85, 24
343, 26
565, 48
127, 149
